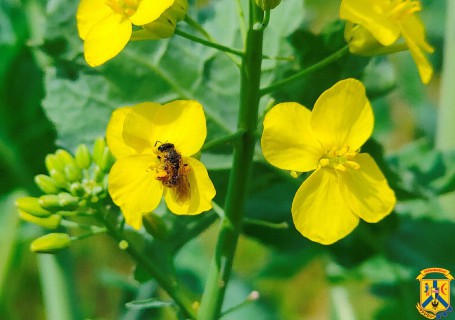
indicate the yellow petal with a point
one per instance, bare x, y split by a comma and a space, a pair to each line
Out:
106, 39
89, 13
319, 210
132, 218
114, 134
366, 190
132, 185
343, 116
150, 10
201, 187
373, 16
414, 34
138, 127
287, 141
182, 123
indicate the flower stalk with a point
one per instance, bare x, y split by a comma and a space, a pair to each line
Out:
166, 281
231, 225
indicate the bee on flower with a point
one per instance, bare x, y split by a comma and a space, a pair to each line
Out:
106, 26
153, 145
346, 184
385, 26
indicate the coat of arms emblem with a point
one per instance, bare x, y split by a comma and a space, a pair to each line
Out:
434, 293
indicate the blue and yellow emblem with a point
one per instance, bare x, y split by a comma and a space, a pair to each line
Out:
434, 293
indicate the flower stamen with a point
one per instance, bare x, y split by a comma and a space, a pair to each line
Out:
339, 159
124, 7
404, 8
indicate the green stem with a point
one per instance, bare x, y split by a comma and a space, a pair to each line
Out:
195, 25
221, 266
229, 138
166, 281
446, 114
208, 43
333, 57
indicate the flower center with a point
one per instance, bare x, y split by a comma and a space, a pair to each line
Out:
399, 9
339, 159
123, 7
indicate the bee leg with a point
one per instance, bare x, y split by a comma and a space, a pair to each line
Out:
186, 167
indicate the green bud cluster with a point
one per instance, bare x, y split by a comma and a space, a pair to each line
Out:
75, 185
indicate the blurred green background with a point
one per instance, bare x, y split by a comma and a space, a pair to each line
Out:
50, 98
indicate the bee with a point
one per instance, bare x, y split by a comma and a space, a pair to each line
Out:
176, 172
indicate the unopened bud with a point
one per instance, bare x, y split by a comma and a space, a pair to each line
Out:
59, 178
107, 160
83, 157
98, 174
50, 202
52, 162
46, 184
61, 202
32, 206
123, 245
155, 225
73, 173
51, 222
65, 157
77, 189
68, 202
98, 151
267, 4
50, 243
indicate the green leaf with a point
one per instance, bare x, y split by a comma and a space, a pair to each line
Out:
152, 303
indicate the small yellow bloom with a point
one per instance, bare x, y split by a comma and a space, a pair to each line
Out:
141, 174
106, 25
346, 184
377, 26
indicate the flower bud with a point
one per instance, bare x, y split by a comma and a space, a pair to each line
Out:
77, 189
98, 150
46, 184
107, 160
51, 222
50, 243
59, 178
73, 173
50, 202
68, 202
83, 157
267, 4
65, 157
32, 206
63, 201
98, 174
52, 162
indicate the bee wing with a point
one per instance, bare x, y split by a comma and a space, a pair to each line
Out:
183, 190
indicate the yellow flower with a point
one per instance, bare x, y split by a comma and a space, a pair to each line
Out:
106, 25
346, 184
376, 24
153, 145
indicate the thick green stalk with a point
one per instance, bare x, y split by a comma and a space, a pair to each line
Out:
446, 130
220, 268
